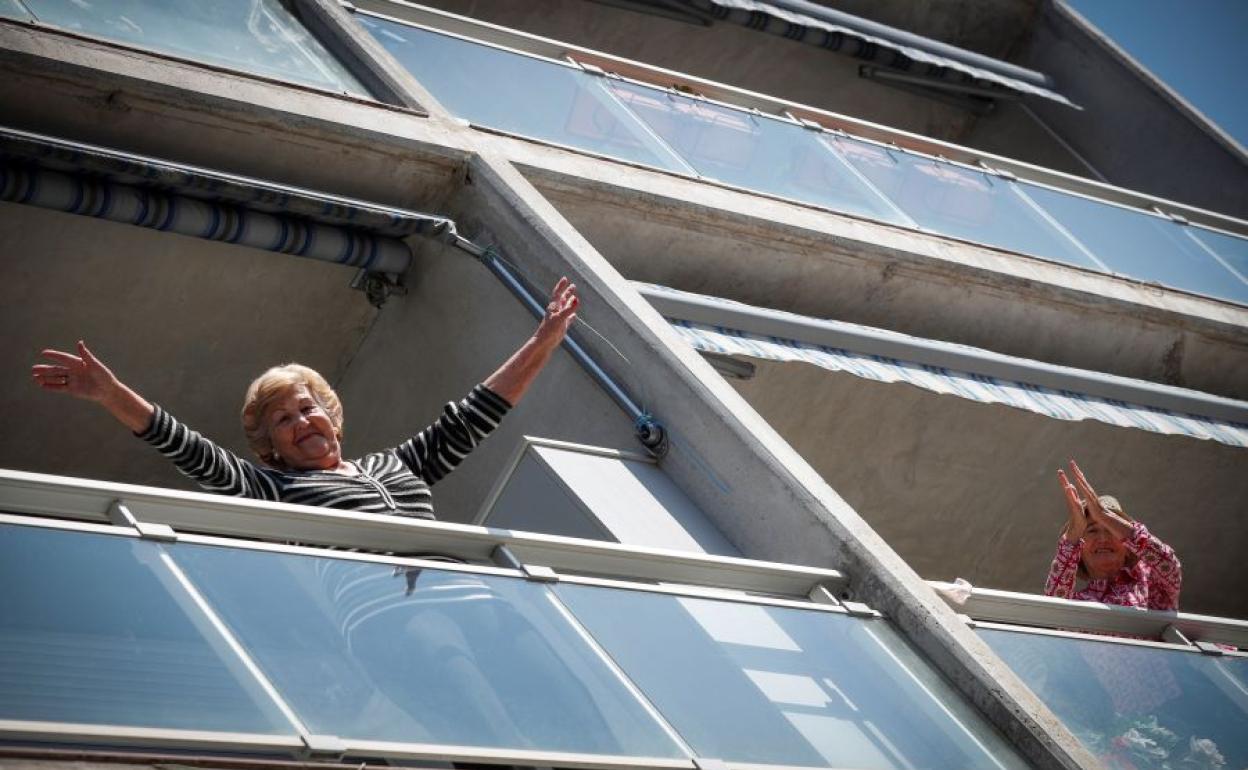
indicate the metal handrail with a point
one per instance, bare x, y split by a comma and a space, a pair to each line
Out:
995, 606
64, 497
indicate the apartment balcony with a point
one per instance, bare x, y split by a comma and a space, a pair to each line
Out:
158, 621
207, 194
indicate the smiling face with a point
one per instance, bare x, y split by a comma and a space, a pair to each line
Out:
1104, 554
302, 433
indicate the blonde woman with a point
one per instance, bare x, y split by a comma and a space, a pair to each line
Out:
294, 423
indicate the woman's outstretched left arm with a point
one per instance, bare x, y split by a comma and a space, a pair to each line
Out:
438, 449
517, 373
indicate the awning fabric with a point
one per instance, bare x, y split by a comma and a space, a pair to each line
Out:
1058, 404
768, 17
93, 181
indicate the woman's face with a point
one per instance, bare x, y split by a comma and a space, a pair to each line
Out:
301, 432
1104, 554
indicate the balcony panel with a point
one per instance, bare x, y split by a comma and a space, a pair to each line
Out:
773, 685
371, 652
1232, 249
960, 202
93, 630
756, 152
520, 94
257, 36
1137, 706
13, 9
1140, 245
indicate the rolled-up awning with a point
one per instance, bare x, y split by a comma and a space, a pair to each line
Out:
724, 327
146, 192
895, 49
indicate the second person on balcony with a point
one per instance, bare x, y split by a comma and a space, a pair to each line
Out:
294, 423
1115, 557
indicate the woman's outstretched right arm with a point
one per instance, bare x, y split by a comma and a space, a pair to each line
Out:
214, 468
85, 376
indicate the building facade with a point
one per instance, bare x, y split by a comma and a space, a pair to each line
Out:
857, 301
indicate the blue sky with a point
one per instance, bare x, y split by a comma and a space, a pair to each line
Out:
1197, 47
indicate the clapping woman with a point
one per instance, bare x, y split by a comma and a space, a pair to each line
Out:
1117, 560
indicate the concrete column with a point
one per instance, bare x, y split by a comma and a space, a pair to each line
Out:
755, 487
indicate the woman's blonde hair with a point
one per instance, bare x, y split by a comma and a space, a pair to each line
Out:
270, 386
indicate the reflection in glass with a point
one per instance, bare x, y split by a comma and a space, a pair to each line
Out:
258, 36
94, 630
519, 94
749, 683
752, 151
1139, 245
959, 202
1233, 250
371, 652
13, 9
1133, 706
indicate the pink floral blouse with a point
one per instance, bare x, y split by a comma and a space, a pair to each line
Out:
1152, 582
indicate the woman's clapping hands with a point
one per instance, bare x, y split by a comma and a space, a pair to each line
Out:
1083, 506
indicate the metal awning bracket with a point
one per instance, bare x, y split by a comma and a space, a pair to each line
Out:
322, 746
824, 593
505, 557
119, 515
1173, 635
858, 609
704, 763
592, 69
1178, 219
1208, 648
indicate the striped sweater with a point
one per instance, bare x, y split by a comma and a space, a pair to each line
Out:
394, 481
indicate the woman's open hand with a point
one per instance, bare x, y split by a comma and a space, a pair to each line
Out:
85, 376
518, 372
560, 313
81, 376
1074, 508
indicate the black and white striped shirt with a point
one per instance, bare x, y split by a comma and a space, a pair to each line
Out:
394, 481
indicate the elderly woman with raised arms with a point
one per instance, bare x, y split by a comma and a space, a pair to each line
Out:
1117, 558
294, 423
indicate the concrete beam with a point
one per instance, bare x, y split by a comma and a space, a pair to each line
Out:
165, 107
771, 253
765, 498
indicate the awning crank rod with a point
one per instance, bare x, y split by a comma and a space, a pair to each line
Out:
649, 432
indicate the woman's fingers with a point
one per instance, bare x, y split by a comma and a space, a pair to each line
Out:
1071, 494
66, 359
87, 356
563, 299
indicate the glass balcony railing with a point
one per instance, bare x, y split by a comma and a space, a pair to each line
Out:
776, 685
1134, 705
123, 630
13, 9
257, 36
556, 102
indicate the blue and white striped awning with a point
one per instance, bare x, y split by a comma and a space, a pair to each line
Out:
1050, 399
886, 47
145, 192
